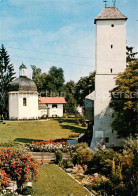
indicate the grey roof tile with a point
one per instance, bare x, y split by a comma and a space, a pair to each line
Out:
110, 13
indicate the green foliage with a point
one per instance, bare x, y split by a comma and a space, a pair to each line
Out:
117, 171
70, 106
124, 101
6, 77
27, 190
59, 156
82, 154
84, 87
38, 78
54, 81
67, 163
101, 162
130, 54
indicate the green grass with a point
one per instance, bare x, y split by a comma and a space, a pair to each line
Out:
28, 131
55, 182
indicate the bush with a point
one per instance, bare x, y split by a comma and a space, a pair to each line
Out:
18, 165
59, 156
82, 155
67, 163
27, 190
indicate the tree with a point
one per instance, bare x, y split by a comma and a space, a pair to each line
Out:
38, 78
84, 87
70, 106
6, 77
124, 101
70, 86
54, 81
130, 54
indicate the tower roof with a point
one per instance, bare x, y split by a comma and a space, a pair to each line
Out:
110, 13
22, 66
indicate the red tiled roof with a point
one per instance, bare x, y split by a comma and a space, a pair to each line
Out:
110, 13
51, 100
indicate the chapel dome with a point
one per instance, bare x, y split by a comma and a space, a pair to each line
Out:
23, 84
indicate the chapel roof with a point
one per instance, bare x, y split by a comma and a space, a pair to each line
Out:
23, 84
52, 100
110, 13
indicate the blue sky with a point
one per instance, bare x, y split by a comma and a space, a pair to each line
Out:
58, 33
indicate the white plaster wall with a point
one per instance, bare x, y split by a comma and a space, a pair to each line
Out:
107, 58
31, 109
42, 112
56, 111
13, 105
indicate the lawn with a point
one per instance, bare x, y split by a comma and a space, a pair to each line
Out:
38, 130
55, 182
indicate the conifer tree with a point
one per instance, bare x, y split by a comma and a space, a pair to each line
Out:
6, 76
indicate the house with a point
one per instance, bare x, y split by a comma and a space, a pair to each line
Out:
51, 106
110, 60
24, 102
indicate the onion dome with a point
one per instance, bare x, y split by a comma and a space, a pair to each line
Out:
23, 83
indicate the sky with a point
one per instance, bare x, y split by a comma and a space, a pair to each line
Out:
58, 33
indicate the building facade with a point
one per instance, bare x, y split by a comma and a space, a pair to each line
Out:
24, 103
110, 60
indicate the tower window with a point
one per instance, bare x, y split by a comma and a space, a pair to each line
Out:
111, 46
111, 70
112, 25
24, 102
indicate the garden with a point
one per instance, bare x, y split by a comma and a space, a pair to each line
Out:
104, 172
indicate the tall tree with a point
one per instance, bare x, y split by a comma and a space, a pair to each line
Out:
54, 81
130, 55
70, 106
6, 76
38, 78
124, 101
84, 87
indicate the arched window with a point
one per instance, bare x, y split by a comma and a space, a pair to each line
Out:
24, 102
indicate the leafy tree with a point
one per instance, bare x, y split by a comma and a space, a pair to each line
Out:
130, 54
54, 81
38, 78
84, 87
124, 101
6, 76
70, 106
70, 86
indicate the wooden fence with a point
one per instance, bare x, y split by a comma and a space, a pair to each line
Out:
46, 157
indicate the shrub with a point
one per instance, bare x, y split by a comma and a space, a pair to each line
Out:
59, 156
4, 180
18, 165
27, 190
82, 155
67, 163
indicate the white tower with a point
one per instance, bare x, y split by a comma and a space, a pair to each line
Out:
110, 60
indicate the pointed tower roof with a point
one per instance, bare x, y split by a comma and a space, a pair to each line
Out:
110, 13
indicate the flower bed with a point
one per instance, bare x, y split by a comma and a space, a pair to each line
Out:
18, 166
50, 146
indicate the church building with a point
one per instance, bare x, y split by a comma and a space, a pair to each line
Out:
25, 104
110, 60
